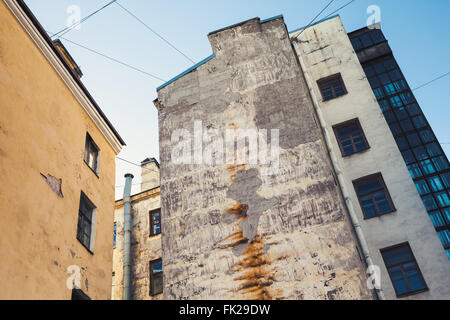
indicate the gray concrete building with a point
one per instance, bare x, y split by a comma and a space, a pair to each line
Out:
337, 199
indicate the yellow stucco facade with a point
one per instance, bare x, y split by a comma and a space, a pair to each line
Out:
43, 129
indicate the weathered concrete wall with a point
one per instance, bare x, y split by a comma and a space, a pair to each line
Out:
43, 130
324, 50
143, 247
149, 174
230, 232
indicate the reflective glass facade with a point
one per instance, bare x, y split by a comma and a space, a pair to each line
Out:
423, 155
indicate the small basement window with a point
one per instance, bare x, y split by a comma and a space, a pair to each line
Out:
332, 87
91, 154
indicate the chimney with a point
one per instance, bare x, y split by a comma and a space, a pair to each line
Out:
67, 58
149, 174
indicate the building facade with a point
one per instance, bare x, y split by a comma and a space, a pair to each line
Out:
237, 231
426, 161
57, 162
146, 263
232, 231
378, 184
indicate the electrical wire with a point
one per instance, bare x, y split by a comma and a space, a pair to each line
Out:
312, 21
69, 28
154, 32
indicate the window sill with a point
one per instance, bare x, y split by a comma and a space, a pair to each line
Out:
96, 174
154, 235
380, 215
412, 293
355, 153
334, 98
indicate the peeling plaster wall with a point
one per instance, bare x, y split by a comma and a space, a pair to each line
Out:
143, 247
230, 232
42, 140
324, 50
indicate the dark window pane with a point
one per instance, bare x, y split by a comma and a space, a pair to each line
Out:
401, 113
331, 87
395, 128
368, 186
389, 115
397, 256
395, 75
384, 105
408, 156
398, 280
374, 82
401, 143
419, 122
379, 67
366, 40
445, 237
379, 93
426, 135
413, 109
396, 102
429, 203
436, 183
389, 64
440, 163
413, 140
400, 85
443, 199
420, 153
422, 187
407, 97
413, 275
433, 149
377, 36
414, 170
370, 72
446, 214
406, 125
437, 219
384, 78
356, 44
427, 167
446, 179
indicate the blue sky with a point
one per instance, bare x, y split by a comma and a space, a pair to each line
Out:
417, 30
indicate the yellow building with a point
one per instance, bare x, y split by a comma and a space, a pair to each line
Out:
145, 246
57, 167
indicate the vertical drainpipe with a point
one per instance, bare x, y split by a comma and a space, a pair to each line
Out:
127, 237
338, 172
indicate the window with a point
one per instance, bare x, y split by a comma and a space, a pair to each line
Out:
156, 277
78, 294
91, 153
155, 222
115, 235
403, 270
350, 137
373, 196
86, 216
332, 87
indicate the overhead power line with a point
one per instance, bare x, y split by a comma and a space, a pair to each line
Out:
112, 59
427, 83
132, 163
69, 28
154, 32
313, 20
340, 8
